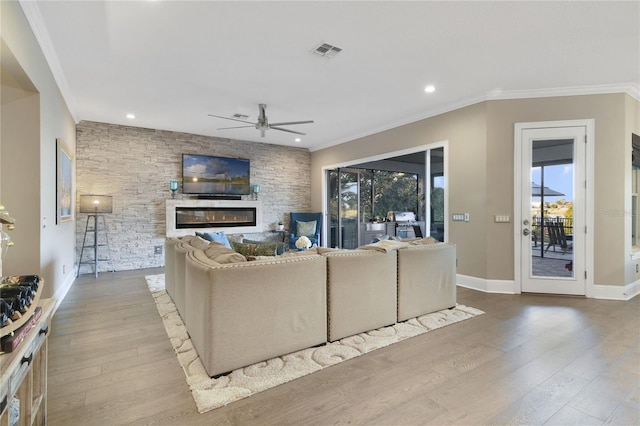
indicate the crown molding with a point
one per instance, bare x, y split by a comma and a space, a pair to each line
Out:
632, 89
32, 13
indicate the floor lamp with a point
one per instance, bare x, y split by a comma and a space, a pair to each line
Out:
96, 206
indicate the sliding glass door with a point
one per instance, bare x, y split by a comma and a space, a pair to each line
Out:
366, 191
344, 208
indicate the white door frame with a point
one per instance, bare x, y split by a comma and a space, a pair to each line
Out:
519, 215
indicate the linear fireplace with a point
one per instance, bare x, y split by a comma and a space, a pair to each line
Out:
213, 217
184, 217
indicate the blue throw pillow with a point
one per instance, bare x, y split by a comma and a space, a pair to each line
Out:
217, 237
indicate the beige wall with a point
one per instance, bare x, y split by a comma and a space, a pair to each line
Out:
465, 131
481, 175
610, 145
51, 247
20, 126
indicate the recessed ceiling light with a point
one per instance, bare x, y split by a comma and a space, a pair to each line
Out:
297, 139
430, 89
131, 116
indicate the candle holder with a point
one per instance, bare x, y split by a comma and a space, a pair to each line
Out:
173, 186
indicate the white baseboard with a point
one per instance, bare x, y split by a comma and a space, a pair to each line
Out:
487, 286
608, 292
616, 292
61, 293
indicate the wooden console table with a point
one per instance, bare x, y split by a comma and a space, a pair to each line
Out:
23, 374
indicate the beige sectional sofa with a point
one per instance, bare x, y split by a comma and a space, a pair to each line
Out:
180, 249
240, 312
361, 286
426, 279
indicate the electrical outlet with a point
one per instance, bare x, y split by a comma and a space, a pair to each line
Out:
64, 269
637, 268
157, 249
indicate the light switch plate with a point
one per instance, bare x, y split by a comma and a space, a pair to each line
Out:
458, 217
502, 218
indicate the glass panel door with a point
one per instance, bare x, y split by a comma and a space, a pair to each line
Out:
333, 208
436, 171
349, 209
553, 210
343, 205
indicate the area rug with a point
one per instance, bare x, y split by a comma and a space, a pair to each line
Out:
209, 393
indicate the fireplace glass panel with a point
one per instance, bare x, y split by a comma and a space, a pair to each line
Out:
214, 217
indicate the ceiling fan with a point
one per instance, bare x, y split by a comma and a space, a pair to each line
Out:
263, 123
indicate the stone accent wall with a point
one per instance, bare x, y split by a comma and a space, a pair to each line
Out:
135, 165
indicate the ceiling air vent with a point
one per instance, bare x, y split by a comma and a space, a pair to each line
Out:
240, 116
326, 50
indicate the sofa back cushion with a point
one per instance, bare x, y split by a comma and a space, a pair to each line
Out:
221, 254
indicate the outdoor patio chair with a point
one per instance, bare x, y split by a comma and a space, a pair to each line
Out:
557, 237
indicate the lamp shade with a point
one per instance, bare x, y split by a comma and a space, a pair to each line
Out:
96, 204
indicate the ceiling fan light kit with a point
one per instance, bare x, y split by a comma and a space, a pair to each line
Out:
263, 122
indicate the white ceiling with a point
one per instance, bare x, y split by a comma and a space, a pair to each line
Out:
172, 63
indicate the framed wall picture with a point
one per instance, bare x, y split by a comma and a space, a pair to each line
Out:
64, 190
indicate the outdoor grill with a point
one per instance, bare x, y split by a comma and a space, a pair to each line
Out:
406, 223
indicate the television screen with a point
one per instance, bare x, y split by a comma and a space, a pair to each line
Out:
205, 174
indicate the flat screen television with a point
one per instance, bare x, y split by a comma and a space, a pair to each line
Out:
218, 176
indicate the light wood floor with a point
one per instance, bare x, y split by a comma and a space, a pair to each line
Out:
529, 360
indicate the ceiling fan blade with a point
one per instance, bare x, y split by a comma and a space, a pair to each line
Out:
288, 123
235, 127
234, 119
262, 116
286, 130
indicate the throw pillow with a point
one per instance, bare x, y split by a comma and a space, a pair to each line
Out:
266, 249
279, 245
217, 237
254, 249
306, 229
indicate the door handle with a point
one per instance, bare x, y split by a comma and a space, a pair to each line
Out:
525, 232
